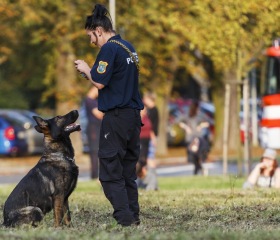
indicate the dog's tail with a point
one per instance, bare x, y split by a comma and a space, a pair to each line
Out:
28, 215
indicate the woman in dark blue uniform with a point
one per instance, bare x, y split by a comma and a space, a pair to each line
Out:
115, 74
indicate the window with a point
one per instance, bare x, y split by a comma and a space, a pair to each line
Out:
272, 82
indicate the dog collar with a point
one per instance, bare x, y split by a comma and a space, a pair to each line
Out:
59, 157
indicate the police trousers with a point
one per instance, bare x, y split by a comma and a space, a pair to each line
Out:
119, 149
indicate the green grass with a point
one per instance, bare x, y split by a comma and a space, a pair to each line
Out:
183, 208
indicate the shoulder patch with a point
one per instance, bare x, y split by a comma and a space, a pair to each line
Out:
102, 67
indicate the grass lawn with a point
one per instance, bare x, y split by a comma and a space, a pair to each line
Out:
183, 208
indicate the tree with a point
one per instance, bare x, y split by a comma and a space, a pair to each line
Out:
157, 32
53, 32
231, 35
181, 35
7, 35
8, 39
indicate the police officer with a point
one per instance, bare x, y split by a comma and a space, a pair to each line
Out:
115, 74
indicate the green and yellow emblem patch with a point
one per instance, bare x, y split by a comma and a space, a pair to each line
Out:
102, 67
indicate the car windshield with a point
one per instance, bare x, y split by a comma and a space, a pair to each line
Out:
16, 119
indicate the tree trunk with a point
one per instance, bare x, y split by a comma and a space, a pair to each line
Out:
234, 142
218, 100
234, 127
66, 87
164, 88
162, 103
163, 96
234, 130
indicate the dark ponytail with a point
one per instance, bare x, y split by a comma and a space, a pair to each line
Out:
100, 18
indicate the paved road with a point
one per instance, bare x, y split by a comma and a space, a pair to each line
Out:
214, 168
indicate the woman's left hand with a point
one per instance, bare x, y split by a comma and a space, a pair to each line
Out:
82, 67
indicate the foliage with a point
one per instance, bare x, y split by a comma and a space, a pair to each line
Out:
233, 35
52, 32
179, 210
166, 34
156, 30
219, 30
175, 40
188, 35
157, 33
5, 30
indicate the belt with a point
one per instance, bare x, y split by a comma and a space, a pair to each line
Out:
117, 111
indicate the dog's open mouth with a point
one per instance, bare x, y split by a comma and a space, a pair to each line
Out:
72, 127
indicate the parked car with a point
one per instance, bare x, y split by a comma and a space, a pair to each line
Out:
12, 137
24, 117
36, 139
178, 109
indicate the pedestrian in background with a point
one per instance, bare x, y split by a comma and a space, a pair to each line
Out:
266, 173
146, 136
197, 145
149, 100
94, 118
150, 181
115, 73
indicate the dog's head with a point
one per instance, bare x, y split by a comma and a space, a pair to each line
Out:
59, 126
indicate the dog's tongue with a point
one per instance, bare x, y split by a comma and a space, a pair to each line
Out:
71, 126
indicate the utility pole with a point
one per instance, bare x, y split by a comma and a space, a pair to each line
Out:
112, 9
246, 107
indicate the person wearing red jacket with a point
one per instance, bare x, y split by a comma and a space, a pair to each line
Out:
147, 134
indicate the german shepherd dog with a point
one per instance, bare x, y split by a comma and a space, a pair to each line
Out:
48, 185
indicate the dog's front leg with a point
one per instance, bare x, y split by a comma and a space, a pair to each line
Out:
58, 209
67, 216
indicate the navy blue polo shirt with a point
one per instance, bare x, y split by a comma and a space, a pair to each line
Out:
115, 69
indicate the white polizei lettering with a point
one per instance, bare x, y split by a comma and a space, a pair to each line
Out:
130, 60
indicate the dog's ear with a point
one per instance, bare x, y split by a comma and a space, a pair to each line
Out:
40, 121
38, 129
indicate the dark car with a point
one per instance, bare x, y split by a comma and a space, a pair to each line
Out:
36, 141
12, 137
24, 117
